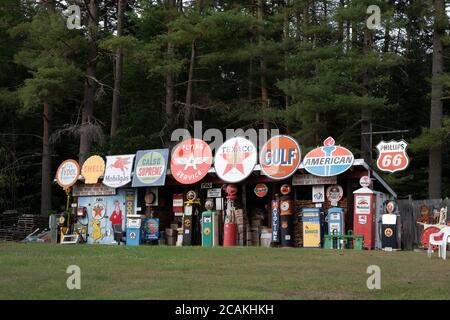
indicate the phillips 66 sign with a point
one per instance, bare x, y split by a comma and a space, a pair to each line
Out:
392, 156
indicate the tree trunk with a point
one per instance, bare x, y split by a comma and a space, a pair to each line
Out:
90, 84
46, 165
188, 111
435, 155
117, 71
188, 106
169, 77
366, 113
263, 70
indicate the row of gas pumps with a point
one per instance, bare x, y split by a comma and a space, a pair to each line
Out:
203, 228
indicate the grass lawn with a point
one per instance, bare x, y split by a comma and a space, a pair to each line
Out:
38, 271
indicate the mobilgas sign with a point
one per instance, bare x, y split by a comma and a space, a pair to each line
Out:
150, 168
280, 157
329, 160
118, 170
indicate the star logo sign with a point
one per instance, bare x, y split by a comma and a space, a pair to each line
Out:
235, 159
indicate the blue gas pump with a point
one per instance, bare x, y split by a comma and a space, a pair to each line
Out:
133, 230
336, 225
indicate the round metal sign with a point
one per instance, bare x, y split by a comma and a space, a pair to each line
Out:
334, 194
365, 181
235, 159
261, 190
67, 173
190, 161
280, 157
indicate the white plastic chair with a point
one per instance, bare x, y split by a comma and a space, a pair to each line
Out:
442, 244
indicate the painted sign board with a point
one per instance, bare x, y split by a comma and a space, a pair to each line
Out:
67, 173
235, 159
309, 180
392, 156
280, 157
118, 170
190, 161
150, 168
93, 168
318, 193
328, 160
214, 193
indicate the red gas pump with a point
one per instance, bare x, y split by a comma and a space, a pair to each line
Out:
230, 226
364, 216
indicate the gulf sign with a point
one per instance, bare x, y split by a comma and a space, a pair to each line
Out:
329, 160
190, 161
280, 157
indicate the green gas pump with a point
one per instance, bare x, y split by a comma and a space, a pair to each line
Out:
210, 225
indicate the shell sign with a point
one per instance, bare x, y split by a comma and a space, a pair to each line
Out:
280, 157
329, 160
67, 173
93, 168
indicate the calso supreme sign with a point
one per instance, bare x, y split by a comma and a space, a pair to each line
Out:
392, 156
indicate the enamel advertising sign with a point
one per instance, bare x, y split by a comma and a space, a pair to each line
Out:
93, 168
329, 160
118, 170
280, 157
392, 156
235, 159
67, 173
191, 159
150, 168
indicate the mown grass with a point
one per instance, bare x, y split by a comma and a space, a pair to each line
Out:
38, 271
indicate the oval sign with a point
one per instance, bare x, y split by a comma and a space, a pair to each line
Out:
280, 157
67, 173
261, 190
190, 161
235, 159
329, 160
92, 169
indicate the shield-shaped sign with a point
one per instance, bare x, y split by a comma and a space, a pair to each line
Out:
118, 170
392, 156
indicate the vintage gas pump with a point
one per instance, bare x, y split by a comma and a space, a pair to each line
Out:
336, 225
312, 227
389, 226
230, 226
134, 229
364, 216
286, 213
210, 225
189, 218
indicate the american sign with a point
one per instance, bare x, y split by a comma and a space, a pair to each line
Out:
329, 160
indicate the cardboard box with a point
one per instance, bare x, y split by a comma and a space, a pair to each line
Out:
171, 241
171, 232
